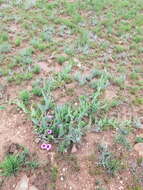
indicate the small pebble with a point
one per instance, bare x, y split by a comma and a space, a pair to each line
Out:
37, 140
64, 169
62, 179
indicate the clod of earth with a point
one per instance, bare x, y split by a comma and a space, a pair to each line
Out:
139, 148
13, 148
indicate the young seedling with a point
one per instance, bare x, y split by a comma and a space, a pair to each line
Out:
25, 97
17, 41
36, 69
61, 59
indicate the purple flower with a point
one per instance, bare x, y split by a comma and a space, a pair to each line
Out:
49, 132
44, 146
49, 146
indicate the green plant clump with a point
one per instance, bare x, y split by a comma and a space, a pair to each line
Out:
11, 165
25, 96
15, 162
108, 161
66, 124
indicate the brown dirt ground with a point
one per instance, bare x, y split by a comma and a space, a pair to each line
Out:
15, 128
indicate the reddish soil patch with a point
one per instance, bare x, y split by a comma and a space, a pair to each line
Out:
110, 93
14, 128
72, 178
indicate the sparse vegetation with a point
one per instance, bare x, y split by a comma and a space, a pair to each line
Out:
108, 160
15, 162
11, 165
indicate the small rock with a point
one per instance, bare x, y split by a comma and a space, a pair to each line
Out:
139, 123
74, 149
37, 140
23, 183
76, 60
79, 65
139, 148
121, 188
64, 169
52, 157
62, 178
140, 135
33, 188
